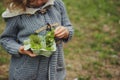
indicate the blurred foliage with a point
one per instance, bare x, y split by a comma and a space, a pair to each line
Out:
98, 19
96, 39
1, 9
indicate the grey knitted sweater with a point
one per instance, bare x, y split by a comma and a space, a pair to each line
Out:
18, 28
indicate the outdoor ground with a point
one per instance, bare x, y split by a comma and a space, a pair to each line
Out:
94, 51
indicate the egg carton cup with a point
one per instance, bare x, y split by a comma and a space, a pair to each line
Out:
43, 51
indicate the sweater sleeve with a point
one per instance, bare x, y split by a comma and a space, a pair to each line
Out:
8, 38
65, 20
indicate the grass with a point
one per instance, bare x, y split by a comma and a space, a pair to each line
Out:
94, 51
96, 40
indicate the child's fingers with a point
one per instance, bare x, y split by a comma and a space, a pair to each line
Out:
58, 30
29, 53
61, 32
61, 35
21, 49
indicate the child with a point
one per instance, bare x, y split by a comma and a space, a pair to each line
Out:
22, 18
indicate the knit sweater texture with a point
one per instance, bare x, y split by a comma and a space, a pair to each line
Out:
19, 28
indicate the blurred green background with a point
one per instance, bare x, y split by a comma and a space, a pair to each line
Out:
94, 51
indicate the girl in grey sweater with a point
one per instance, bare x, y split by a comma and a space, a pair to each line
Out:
22, 18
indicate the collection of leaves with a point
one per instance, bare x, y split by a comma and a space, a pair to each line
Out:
41, 43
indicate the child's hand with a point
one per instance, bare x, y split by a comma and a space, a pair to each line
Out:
61, 32
27, 52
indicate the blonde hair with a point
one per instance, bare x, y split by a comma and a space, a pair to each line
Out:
17, 4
